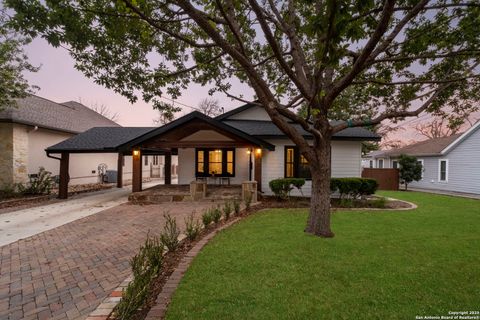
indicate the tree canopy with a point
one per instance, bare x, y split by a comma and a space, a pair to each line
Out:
410, 169
13, 62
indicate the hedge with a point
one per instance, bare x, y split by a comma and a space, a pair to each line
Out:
353, 187
281, 187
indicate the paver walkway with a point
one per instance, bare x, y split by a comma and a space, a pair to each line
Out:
65, 272
19, 224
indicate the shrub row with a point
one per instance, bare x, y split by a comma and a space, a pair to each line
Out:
353, 187
283, 186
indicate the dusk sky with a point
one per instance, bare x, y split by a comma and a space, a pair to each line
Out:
60, 81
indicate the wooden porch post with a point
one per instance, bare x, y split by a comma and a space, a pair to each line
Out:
136, 170
120, 171
63, 183
168, 168
258, 168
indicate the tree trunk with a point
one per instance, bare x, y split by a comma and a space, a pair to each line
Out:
319, 219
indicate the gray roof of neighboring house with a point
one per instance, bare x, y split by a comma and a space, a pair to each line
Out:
431, 147
267, 129
69, 116
100, 139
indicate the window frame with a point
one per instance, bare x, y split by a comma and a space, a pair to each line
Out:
395, 161
145, 160
423, 166
383, 163
296, 163
440, 170
206, 161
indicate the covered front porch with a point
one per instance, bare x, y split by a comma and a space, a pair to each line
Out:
210, 154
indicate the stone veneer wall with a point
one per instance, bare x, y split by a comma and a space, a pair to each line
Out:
13, 154
6, 154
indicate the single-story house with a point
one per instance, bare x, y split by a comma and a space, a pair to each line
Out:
449, 163
237, 146
35, 123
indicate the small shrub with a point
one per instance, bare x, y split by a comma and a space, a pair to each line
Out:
227, 210
40, 183
145, 267
248, 201
170, 233
380, 202
207, 218
353, 187
283, 186
192, 227
236, 206
346, 203
216, 215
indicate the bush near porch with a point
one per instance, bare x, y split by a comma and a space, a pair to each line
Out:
380, 265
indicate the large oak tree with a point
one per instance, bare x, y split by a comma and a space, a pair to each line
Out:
359, 61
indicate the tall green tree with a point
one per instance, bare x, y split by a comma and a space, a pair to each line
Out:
360, 61
13, 64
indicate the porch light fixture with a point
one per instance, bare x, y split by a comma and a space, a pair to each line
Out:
249, 151
258, 151
136, 153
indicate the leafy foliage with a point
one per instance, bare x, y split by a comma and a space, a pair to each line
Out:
207, 218
236, 206
353, 187
192, 227
145, 267
170, 233
216, 214
13, 64
283, 186
410, 169
39, 183
227, 209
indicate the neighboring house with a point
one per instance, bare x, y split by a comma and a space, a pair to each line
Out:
449, 163
237, 146
369, 160
37, 123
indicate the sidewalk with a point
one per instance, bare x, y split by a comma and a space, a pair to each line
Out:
447, 193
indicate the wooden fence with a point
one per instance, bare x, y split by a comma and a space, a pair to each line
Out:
388, 179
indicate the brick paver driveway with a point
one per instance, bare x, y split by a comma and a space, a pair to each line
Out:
64, 273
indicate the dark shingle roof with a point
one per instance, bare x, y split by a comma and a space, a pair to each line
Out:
70, 116
267, 129
429, 147
100, 139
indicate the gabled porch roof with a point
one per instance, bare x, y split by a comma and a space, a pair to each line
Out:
123, 139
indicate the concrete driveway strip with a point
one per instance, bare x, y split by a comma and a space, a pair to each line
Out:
24, 223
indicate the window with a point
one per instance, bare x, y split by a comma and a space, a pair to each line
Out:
420, 161
296, 166
218, 162
371, 163
155, 160
394, 164
380, 163
443, 170
146, 160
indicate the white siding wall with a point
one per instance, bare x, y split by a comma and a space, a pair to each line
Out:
463, 168
346, 162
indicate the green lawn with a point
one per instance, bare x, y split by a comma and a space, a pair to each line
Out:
380, 265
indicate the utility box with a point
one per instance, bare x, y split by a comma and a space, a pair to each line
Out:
111, 176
